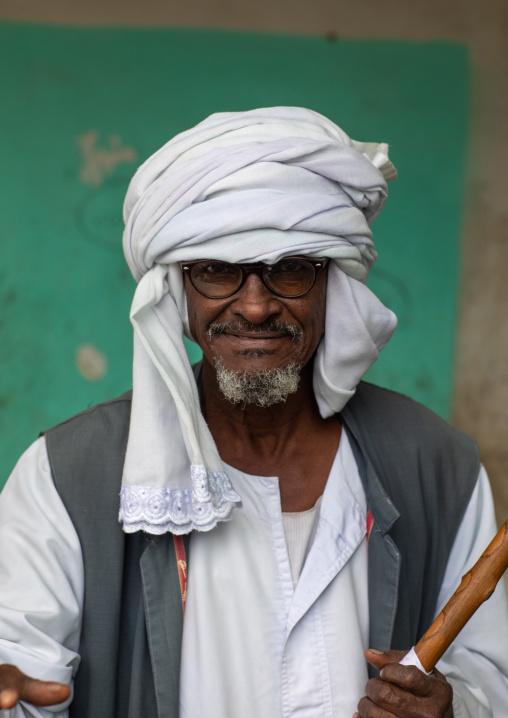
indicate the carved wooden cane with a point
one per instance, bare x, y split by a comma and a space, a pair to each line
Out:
476, 586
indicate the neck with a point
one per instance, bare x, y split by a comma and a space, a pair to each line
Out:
289, 440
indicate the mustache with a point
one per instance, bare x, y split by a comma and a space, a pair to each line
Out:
269, 327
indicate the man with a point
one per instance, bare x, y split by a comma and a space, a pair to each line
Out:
326, 516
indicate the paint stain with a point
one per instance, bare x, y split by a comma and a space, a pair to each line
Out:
98, 163
91, 363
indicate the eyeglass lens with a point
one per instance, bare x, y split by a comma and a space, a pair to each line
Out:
289, 277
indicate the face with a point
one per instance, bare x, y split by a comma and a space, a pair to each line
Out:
255, 330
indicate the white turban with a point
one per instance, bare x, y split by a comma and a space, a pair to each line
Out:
242, 187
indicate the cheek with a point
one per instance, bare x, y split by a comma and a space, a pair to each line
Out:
316, 317
316, 329
193, 308
194, 312
201, 313
193, 321
191, 315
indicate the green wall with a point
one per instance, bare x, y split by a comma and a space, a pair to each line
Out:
81, 108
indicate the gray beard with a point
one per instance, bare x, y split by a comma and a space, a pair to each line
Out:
263, 388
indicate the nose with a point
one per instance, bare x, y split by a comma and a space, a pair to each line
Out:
254, 302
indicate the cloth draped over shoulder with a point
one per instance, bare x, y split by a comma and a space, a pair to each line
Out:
252, 186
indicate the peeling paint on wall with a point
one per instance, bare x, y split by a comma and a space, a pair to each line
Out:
90, 362
100, 162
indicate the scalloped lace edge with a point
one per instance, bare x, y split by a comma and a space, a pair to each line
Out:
178, 511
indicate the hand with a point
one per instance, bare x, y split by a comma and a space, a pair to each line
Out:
15, 686
404, 691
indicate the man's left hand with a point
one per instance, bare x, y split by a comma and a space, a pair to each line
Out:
404, 691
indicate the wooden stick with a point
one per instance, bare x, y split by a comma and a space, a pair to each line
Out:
476, 586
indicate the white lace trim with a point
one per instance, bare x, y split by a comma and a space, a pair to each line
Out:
178, 511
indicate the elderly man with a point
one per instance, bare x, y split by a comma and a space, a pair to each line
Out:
325, 515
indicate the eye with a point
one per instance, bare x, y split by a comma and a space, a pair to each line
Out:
291, 269
215, 279
288, 265
290, 277
214, 269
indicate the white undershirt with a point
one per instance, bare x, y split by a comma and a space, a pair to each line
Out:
253, 644
299, 530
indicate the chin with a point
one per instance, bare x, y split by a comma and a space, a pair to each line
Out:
258, 386
255, 361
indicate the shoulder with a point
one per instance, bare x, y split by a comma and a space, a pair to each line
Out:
100, 415
420, 459
405, 423
90, 446
102, 427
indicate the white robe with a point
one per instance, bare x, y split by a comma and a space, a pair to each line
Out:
253, 645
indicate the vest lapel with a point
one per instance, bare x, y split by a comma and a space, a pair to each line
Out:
383, 554
383, 562
164, 621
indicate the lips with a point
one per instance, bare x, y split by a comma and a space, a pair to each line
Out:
251, 339
256, 336
268, 331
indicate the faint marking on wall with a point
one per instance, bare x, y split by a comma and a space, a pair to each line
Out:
98, 214
98, 162
394, 293
91, 363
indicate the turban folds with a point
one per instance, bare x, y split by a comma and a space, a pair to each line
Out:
240, 187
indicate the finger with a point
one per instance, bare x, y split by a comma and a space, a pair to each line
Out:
437, 674
401, 702
368, 709
380, 659
410, 678
43, 693
16, 686
392, 698
8, 698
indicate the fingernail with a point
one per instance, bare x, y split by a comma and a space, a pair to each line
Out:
374, 650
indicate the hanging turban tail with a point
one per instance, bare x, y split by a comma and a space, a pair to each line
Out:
242, 187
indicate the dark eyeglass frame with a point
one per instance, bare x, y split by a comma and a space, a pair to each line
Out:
261, 270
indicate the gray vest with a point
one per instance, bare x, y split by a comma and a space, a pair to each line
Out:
418, 474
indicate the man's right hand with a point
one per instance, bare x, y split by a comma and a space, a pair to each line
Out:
16, 686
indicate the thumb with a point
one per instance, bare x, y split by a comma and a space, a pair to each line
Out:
44, 693
16, 686
380, 659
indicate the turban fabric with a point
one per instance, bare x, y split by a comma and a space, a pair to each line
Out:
241, 187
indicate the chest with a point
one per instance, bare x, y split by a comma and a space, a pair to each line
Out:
282, 649
302, 466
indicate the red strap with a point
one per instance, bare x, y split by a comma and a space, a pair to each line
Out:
181, 562
370, 522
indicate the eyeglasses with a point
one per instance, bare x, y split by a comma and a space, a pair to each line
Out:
291, 277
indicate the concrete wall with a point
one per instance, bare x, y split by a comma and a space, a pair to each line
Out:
480, 403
